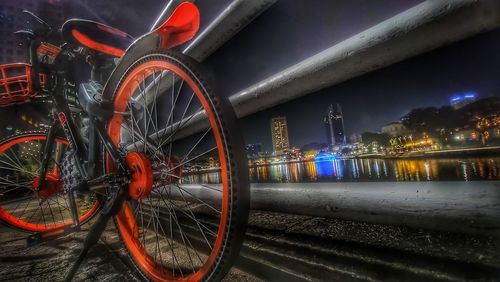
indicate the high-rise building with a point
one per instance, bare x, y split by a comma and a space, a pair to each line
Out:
12, 19
334, 125
279, 132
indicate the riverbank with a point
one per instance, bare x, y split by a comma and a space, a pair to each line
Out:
457, 153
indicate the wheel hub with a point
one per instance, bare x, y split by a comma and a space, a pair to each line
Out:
51, 186
141, 182
172, 172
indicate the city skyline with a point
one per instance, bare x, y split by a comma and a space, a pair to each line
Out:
333, 122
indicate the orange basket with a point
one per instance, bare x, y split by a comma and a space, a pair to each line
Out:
16, 85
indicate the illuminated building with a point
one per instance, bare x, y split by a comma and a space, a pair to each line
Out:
394, 129
458, 101
466, 135
334, 125
279, 132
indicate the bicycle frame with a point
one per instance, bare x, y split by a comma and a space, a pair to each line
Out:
180, 27
62, 118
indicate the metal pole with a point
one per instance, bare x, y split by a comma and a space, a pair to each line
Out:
467, 207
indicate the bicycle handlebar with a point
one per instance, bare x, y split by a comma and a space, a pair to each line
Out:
45, 27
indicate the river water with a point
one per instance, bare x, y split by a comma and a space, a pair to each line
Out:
348, 170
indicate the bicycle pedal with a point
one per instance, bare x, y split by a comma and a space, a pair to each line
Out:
45, 236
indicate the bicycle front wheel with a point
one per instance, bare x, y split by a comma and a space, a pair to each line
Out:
189, 192
47, 207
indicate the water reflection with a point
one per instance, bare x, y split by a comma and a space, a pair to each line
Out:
368, 170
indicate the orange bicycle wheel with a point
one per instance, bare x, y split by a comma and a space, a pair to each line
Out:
178, 223
20, 205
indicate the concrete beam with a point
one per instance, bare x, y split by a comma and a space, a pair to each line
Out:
234, 18
227, 24
425, 27
466, 207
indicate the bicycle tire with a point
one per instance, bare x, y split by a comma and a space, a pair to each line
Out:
233, 167
16, 218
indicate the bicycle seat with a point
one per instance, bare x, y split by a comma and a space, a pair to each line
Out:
90, 98
96, 36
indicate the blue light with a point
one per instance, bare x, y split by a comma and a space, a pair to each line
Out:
470, 95
325, 168
323, 157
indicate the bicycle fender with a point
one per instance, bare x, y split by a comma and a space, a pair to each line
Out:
180, 27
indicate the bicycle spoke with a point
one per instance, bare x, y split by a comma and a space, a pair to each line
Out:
192, 159
177, 230
193, 217
198, 199
20, 164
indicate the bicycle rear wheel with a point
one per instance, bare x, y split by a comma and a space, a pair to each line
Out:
20, 205
189, 196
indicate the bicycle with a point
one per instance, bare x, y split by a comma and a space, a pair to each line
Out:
122, 151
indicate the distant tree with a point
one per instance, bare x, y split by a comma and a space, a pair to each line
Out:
421, 119
481, 108
432, 119
381, 138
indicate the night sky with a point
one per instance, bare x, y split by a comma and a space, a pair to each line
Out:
291, 31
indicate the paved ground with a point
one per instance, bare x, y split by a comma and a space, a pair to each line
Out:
49, 261
280, 247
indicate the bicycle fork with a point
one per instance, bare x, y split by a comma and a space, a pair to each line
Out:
45, 159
